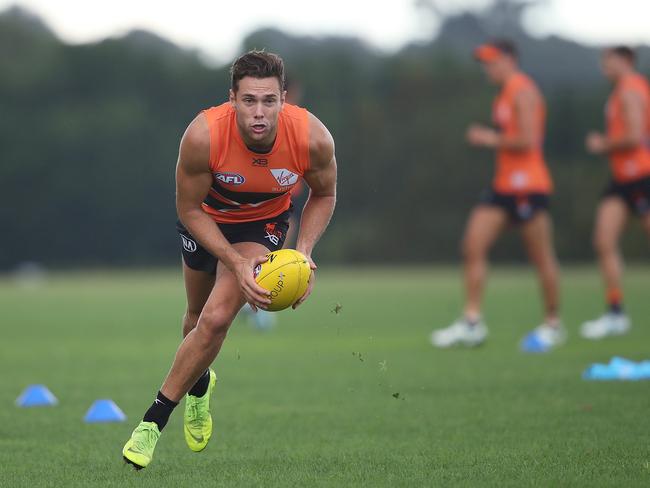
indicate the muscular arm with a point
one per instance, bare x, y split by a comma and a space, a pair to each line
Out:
193, 181
321, 179
479, 135
633, 115
524, 140
633, 111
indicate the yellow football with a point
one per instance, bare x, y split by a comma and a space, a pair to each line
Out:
286, 275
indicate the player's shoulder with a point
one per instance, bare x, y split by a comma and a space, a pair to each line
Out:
294, 112
321, 142
218, 112
296, 120
523, 81
198, 132
523, 87
195, 143
634, 82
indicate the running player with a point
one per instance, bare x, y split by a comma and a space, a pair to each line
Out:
236, 167
519, 197
626, 144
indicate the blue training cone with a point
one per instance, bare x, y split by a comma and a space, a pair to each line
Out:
36, 396
104, 411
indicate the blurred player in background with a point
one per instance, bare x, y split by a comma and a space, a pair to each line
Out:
626, 145
236, 166
519, 197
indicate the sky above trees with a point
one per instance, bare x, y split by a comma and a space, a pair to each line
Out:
217, 28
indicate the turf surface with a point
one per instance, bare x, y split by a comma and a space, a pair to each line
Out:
357, 398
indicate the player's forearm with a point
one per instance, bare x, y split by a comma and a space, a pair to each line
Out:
315, 218
514, 143
204, 230
628, 141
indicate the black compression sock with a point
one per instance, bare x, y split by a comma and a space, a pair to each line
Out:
201, 386
616, 308
159, 411
472, 321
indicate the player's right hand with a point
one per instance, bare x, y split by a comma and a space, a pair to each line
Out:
310, 286
254, 294
595, 142
480, 135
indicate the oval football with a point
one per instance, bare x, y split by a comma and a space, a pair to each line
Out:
286, 275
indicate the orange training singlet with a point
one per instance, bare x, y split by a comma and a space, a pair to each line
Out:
628, 164
518, 171
249, 186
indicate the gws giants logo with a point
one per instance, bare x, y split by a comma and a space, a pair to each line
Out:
284, 177
519, 179
230, 178
188, 244
258, 268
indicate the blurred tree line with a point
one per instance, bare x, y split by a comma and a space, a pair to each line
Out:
89, 137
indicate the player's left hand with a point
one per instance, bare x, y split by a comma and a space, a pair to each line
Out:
310, 286
479, 135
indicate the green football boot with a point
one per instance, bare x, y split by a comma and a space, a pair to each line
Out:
197, 421
138, 450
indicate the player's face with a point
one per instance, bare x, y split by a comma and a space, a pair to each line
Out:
611, 65
258, 102
496, 70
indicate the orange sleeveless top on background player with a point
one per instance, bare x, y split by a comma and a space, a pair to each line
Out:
520, 172
249, 186
628, 164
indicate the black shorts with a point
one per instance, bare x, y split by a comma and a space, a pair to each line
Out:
635, 194
520, 208
271, 233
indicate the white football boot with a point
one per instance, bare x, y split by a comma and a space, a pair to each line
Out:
460, 333
543, 338
609, 324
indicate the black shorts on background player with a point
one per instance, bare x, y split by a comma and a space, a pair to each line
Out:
520, 208
635, 194
271, 233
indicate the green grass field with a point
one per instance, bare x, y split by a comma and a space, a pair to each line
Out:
358, 398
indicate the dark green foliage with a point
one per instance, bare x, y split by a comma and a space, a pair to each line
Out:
89, 137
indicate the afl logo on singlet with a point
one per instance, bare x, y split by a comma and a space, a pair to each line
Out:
188, 244
230, 178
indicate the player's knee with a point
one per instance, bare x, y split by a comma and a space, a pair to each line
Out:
470, 250
545, 264
603, 244
213, 324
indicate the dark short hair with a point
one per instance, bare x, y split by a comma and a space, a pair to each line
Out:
625, 52
257, 64
506, 46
